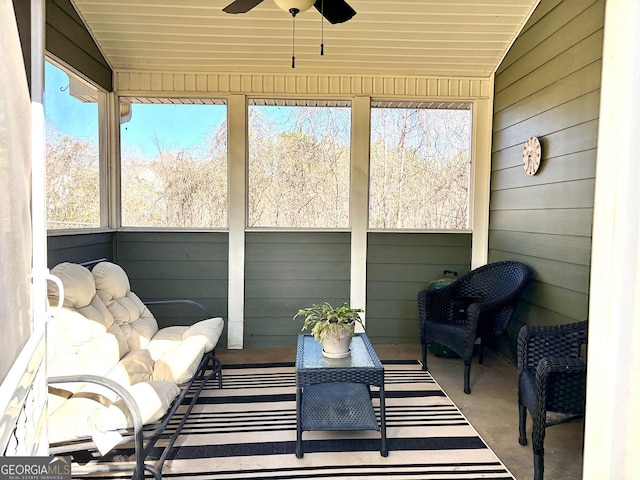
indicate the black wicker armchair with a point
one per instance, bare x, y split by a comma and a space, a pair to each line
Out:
551, 381
479, 304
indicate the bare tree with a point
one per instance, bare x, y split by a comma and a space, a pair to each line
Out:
185, 188
72, 183
299, 167
419, 172
299, 170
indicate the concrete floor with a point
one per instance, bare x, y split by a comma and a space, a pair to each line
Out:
492, 406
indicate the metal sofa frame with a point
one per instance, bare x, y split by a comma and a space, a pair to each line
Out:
144, 440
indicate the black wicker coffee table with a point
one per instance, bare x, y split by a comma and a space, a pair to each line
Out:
334, 394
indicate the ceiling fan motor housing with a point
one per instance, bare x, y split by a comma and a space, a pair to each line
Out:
299, 5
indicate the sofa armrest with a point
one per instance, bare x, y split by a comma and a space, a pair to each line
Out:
128, 400
197, 305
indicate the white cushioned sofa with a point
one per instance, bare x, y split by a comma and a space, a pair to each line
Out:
104, 331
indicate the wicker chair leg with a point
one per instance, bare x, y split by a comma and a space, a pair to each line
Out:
424, 357
522, 424
467, 375
538, 466
481, 352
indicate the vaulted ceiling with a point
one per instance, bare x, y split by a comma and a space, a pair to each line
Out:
448, 38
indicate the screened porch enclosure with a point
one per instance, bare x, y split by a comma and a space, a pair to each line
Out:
258, 270
274, 201
551, 77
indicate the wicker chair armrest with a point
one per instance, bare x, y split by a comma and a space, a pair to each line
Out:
446, 292
535, 343
438, 302
560, 385
560, 388
550, 365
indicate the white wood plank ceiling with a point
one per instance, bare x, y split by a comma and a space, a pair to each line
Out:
446, 38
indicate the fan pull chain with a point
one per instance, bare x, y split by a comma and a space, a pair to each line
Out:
322, 27
293, 12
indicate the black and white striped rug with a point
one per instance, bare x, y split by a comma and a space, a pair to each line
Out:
247, 430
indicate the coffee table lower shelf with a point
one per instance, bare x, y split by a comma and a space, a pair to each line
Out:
336, 406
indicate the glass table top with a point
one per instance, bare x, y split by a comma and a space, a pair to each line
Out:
313, 358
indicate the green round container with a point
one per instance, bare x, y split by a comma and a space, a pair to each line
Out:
449, 276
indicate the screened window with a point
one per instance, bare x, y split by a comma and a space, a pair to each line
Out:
73, 167
174, 163
299, 156
420, 167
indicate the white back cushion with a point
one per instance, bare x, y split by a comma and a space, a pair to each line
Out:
80, 296
134, 318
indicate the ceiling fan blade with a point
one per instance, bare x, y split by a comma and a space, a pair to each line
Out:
335, 11
241, 6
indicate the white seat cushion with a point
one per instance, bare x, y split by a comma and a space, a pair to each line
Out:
209, 330
135, 367
86, 338
152, 398
181, 363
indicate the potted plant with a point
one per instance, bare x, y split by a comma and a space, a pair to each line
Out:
332, 327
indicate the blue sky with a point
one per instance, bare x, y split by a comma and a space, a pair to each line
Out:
65, 113
175, 126
179, 126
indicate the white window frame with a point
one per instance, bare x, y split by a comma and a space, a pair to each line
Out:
435, 105
300, 102
116, 158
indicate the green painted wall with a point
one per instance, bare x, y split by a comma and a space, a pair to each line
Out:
79, 248
399, 265
548, 86
177, 265
68, 39
286, 271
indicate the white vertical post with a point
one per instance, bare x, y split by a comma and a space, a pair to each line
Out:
34, 350
38, 167
612, 423
104, 152
359, 199
111, 174
238, 158
481, 179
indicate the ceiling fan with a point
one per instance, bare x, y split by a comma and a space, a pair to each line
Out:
335, 11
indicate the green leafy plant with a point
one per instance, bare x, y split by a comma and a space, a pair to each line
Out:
322, 319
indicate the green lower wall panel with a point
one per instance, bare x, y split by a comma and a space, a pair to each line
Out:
178, 265
79, 248
286, 271
399, 265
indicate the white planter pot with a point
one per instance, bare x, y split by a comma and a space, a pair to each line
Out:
337, 346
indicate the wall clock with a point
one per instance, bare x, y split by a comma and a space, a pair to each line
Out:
531, 155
